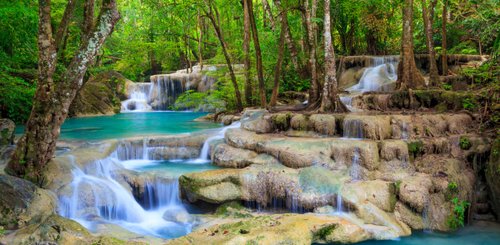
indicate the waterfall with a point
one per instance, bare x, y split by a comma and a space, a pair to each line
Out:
96, 195
205, 149
404, 131
355, 171
339, 202
353, 128
382, 72
381, 75
138, 100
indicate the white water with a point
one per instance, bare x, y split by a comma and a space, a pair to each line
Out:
355, 171
138, 99
381, 74
353, 128
97, 196
205, 149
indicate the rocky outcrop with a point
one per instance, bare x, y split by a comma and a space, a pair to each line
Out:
493, 176
280, 229
101, 95
7, 129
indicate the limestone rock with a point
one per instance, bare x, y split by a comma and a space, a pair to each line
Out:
231, 157
414, 191
493, 175
409, 217
323, 124
7, 129
258, 121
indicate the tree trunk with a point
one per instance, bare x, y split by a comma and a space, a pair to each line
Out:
223, 44
258, 56
88, 18
246, 50
53, 98
200, 42
408, 74
62, 30
268, 12
433, 71
288, 37
311, 32
277, 69
330, 100
444, 58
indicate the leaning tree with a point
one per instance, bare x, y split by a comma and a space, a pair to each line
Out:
56, 89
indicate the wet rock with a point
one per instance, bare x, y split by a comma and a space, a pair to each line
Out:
279, 229
381, 193
414, 191
299, 122
344, 152
323, 124
493, 175
408, 216
7, 129
372, 127
258, 121
231, 157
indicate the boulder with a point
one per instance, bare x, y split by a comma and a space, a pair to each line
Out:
408, 216
323, 124
231, 157
7, 129
414, 191
375, 127
258, 121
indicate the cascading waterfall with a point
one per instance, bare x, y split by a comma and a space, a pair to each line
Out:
380, 76
138, 99
205, 149
353, 128
96, 195
355, 171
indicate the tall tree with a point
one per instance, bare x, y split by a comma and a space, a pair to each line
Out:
209, 11
428, 16
288, 36
200, 40
246, 50
310, 15
330, 99
54, 94
258, 55
444, 56
279, 62
408, 74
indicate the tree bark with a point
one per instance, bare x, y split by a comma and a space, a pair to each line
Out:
444, 58
269, 13
433, 70
330, 101
88, 17
62, 30
200, 41
277, 69
52, 99
246, 50
288, 37
408, 74
311, 33
258, 56
223, 44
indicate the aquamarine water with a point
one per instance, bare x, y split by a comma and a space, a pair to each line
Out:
131, 124
170, 168
478, 234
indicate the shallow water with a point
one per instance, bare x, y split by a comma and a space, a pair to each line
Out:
479, 234
170, 168
131, 124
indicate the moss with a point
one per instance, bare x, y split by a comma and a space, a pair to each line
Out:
325, 231
234, 209
415, 148
282, 121
464, 143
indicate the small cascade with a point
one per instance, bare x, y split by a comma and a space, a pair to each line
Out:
205, 149
353, 128
381, 75
404, 131
138, 100
97, 195
339, 203
165, 90
288, 204
355, 171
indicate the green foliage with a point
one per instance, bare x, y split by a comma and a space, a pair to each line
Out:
452, 187
447, 86
457, 216
415, 148
397, 185
233, 209
464, 143
15, 97
469, 103
325, 231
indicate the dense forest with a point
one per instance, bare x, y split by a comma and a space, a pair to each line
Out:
249, 121
155, 37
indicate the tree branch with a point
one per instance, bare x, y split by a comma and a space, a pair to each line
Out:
62, 30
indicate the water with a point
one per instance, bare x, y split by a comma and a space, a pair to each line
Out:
138, 98
205, 150
131, 124
481, 234
355, 171
353, 128
381, 73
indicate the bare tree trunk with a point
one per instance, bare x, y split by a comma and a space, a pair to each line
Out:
408, 74
267, 10
288, 37
53, 98
258, 56
427, 16
311, 33
223, 44
62, 30
246, 50
88, 20
200, 41
330, 100
444, 58
277, 69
